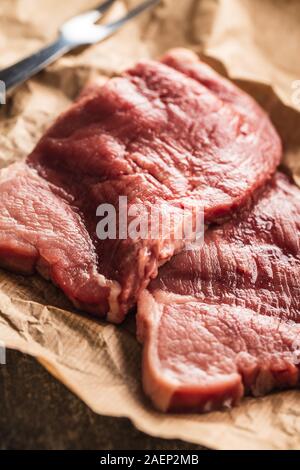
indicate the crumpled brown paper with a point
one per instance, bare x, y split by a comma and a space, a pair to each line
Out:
257, 44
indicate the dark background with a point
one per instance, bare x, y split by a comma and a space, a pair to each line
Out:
38, 412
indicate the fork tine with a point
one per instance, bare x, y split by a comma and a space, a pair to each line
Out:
112, 27
104, 6
93, 15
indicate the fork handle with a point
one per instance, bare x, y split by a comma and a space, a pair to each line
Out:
17, 74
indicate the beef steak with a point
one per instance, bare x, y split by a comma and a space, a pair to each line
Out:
224, 321
162, 137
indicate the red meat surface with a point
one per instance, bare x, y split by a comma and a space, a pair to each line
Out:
166, 135
224, 320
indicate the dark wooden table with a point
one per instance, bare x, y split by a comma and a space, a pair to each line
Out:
38, 412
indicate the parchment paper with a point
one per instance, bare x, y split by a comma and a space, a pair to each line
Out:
257, 44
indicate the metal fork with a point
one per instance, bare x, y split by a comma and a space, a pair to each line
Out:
78, 31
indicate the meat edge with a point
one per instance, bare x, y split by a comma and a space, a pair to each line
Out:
166, 395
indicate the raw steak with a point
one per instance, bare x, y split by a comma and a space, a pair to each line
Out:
224, 321
155, 135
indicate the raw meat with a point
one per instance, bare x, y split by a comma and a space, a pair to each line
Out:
224, 321
155, 135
